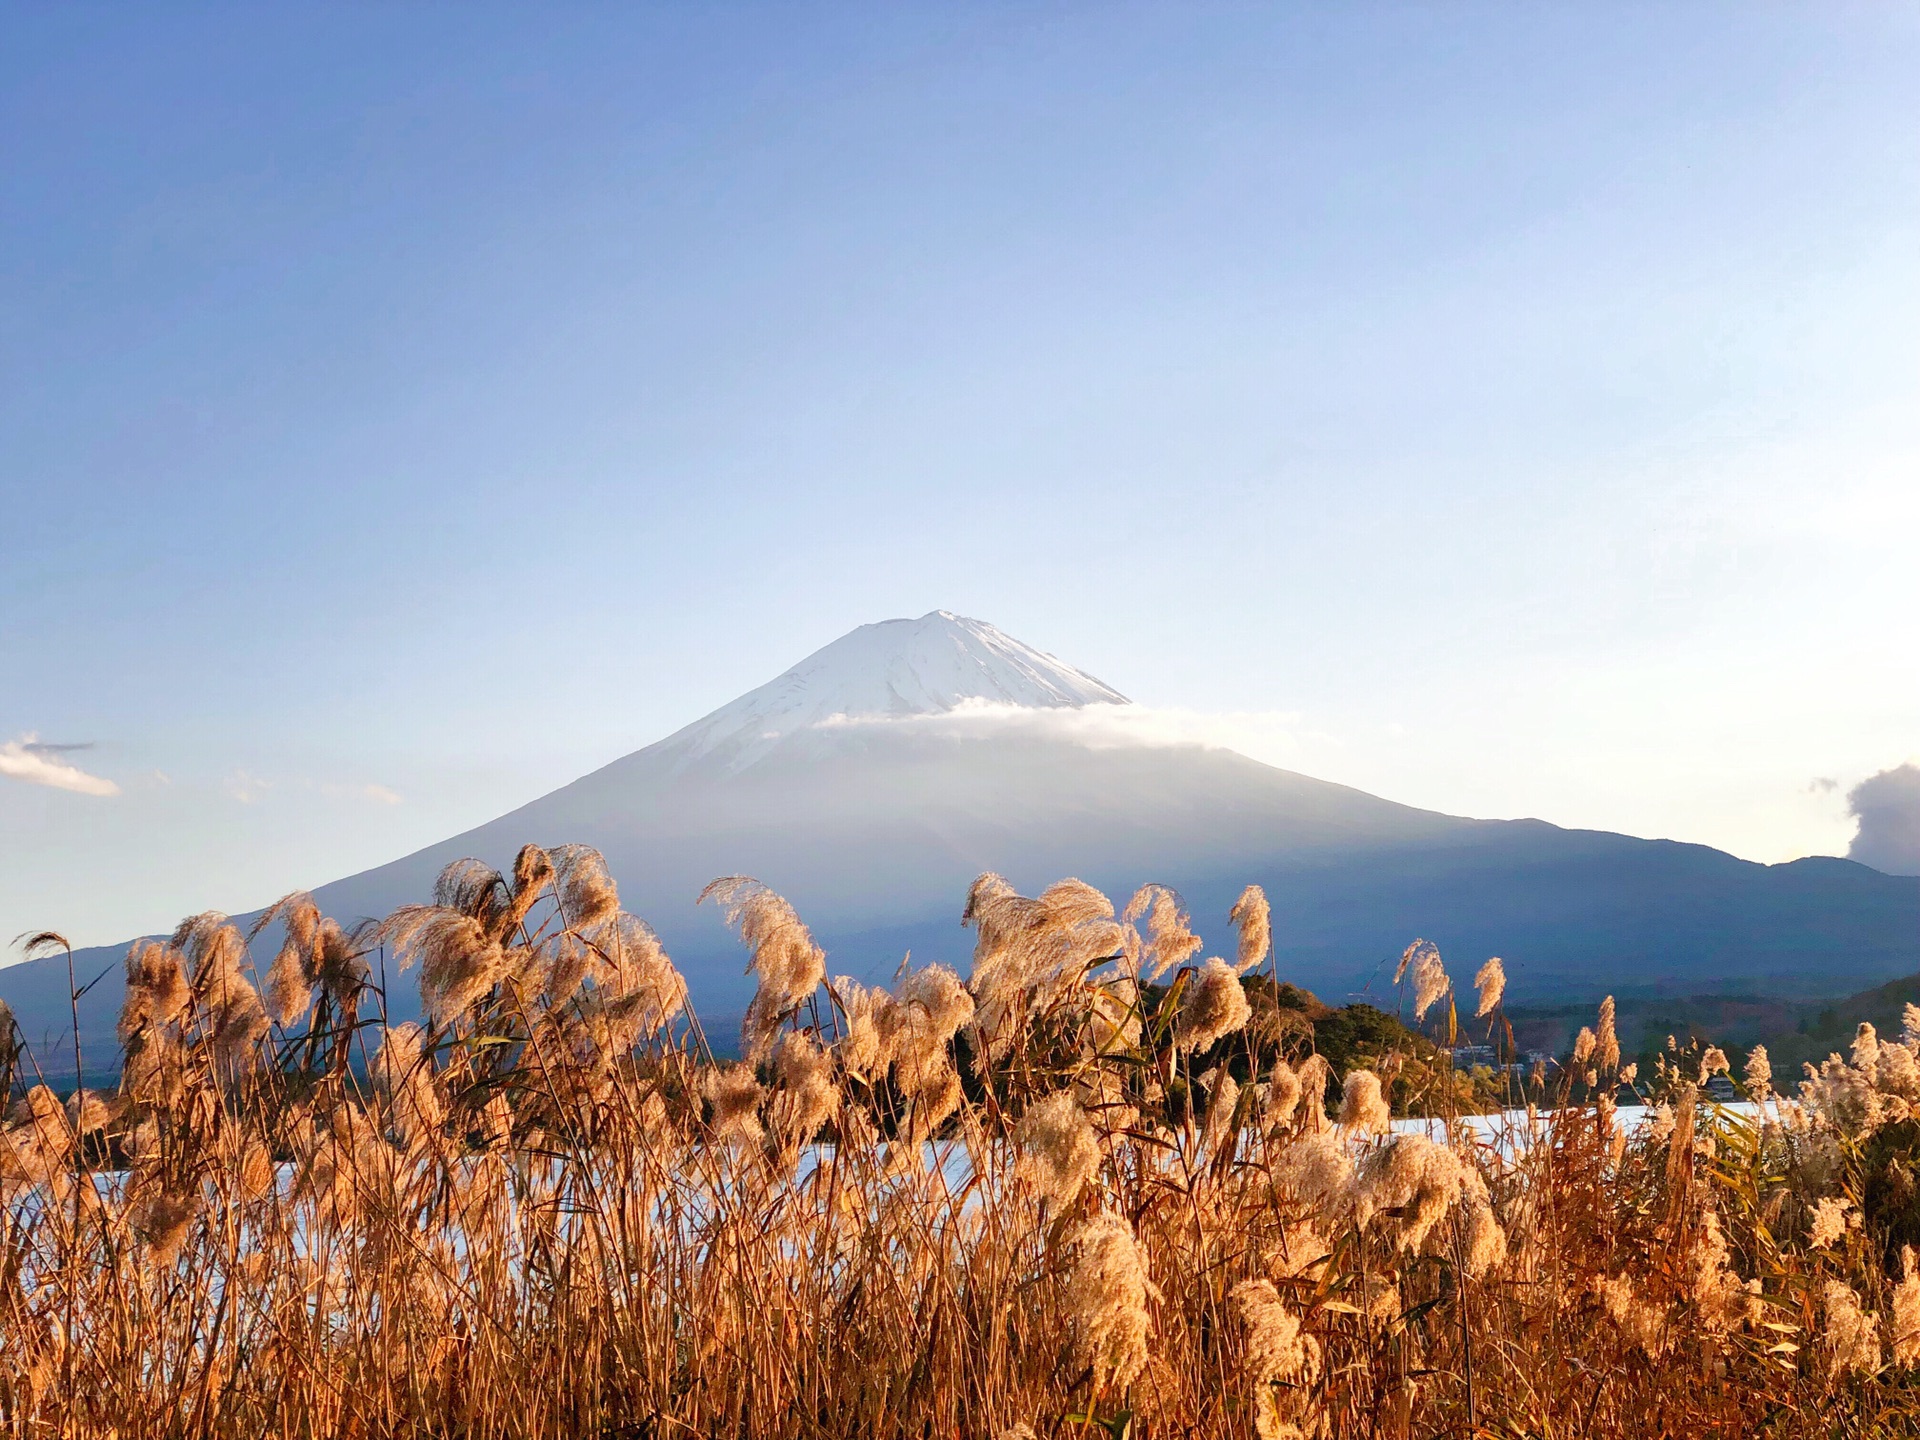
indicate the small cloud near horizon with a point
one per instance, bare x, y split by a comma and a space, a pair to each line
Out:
35, 762
245, 787
336, 790
1887, 806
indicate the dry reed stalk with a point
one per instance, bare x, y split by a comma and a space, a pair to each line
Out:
990, 1205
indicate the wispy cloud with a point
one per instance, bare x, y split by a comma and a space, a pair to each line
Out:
354, 790
39, 763
248, 788
245, 787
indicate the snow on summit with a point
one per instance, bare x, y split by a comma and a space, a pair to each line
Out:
893, 669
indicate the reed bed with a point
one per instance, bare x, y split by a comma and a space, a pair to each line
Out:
1084, 1189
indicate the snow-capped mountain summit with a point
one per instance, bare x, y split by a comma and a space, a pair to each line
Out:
889, 670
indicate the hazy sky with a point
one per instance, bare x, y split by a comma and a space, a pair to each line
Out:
1510, 409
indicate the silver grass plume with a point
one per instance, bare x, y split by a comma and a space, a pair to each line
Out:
459, 962
1429, 976
570, 959
1313, 1076
402, 1072
1282, 1094
1851, 1340
781, 952
1318, 1169
291, 977
585, 891
1866, 1049
1642, 1323
35, 1148
1719, 1297
1220, 1135
1169, 942
1215, 1005
640, 991
340, 961
157, 988
1027, 952
533, 872
1106, 1299
162, 1222
1363, 1106
939, 996
1486, 1239
1057, 1151
1254, 921
916, 1027
231, 1013
1606, 1053
88, 1112
474, 889
315, 952
939, 1096
1829, 1222
733, 1096
1276, 1350
1410, 1181
1491, 981
1906, 1313
860, 1050
805, 1095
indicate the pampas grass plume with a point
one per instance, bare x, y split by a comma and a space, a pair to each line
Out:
1058, 1152
1253, 920
1215, 1006
1490, 980
1363, 1106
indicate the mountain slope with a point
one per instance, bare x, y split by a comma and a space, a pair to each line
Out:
873, 781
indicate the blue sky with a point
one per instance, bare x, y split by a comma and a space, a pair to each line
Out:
403, 410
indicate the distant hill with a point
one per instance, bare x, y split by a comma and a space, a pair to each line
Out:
1821, 1030
873, 781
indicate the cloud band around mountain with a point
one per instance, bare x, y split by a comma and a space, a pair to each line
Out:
1262, 733
1887, 806
29, 760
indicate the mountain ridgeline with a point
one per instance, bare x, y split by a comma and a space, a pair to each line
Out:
873, 781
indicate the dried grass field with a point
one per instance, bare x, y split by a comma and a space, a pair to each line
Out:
1089, 1189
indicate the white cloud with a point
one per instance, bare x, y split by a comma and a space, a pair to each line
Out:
380, 793
1887, 806
1270, 735
37, 764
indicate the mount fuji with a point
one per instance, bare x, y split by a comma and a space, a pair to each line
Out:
875, 779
